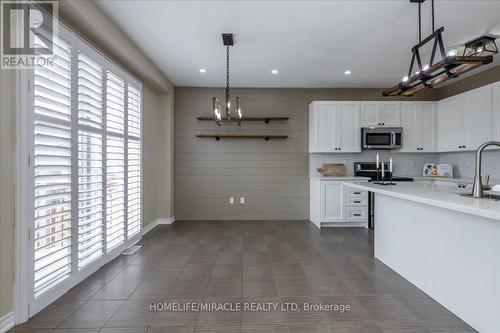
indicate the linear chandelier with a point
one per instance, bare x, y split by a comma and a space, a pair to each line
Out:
227, 40
476, 53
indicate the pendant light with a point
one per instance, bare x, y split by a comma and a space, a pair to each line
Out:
228, 117
450, 66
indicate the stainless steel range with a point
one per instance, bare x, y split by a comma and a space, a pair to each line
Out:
369, 169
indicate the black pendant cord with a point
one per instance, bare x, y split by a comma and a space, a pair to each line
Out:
419, 22
432, 5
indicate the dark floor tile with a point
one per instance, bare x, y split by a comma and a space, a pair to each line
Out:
294, 287
224, 287
171, 329
224, 261
408, 326
133, 313
117, 290
188, 287
264, 329
217, 329
124, 330
94, 313
254, 316
384, 308
259, 288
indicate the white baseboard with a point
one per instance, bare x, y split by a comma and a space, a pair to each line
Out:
150, 226
168, 220
343, 224
7, 322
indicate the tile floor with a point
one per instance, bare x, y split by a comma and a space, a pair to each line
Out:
251, 261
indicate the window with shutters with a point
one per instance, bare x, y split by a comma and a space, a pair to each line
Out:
134, 161
86, 151
52, 93
90, 162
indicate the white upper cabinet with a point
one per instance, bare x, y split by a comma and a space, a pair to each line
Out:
350, 131
496, 110
478, 117
465, 120
322, 121
383, 113
450, 123
419, 123
369, 114
390, 114
334, 127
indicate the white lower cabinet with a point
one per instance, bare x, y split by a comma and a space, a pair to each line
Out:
332, 202
334, 205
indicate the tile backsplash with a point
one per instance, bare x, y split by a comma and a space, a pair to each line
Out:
405, 164
464, 163
411, 164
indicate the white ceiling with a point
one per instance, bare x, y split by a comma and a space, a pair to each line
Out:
311, 43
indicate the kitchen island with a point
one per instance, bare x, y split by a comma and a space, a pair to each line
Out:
445, 244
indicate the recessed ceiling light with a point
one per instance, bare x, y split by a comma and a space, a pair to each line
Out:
348, 72
203, 70
274, 71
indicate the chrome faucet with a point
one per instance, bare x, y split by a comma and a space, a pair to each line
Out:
477, 189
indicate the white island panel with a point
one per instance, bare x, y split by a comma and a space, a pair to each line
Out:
452, 256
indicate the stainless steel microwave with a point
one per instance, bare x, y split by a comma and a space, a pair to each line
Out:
381, 137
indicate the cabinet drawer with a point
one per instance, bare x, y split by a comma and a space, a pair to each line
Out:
356, 202
353, 193
356, 214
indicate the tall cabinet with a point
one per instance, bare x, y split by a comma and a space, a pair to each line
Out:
334, 127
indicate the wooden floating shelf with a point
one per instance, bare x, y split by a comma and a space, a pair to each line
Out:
241, 136
262, 118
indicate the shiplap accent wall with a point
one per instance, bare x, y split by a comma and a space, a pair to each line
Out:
271, 175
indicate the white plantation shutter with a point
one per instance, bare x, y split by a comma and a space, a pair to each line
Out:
90, 162
134, 161
115, 161
52, 170
85, 163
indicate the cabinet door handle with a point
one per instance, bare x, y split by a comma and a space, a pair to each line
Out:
357, 214
357, 201
356, 192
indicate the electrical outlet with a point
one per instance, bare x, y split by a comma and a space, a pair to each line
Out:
412, 164
242, 200
468, 164
231, 200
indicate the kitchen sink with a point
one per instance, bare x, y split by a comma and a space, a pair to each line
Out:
493, 196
